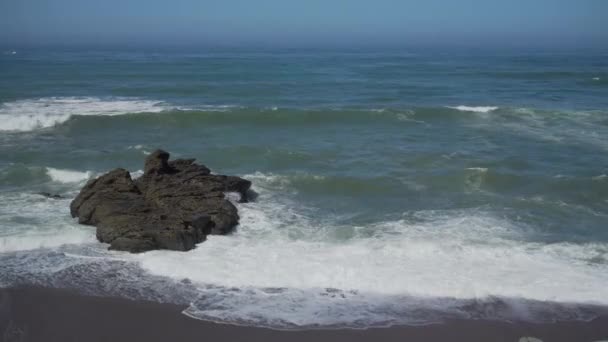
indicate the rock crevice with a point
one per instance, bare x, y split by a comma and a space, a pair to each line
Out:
173, 205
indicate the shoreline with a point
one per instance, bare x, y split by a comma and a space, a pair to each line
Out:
47, 314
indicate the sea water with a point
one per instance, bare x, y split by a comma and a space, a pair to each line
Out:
394, 187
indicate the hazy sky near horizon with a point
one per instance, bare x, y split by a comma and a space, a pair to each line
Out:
304, 21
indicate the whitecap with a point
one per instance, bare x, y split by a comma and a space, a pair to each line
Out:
479, 109
209, 108
31, 114
478, 169
135, 147
278, 181
136, 174
139, 147
68, 176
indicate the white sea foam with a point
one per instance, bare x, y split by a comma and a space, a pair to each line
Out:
479, 109
276, 181
31, 221
455, 255
560, 127
47, 239
467, 259
137, 174
139, 148
479, 169
68, 176
285, 268
209, 108
596, 78
27, 115
135, 147
600, 177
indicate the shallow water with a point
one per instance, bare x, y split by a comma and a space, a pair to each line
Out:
395, 187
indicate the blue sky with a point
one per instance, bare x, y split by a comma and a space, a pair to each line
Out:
305, 21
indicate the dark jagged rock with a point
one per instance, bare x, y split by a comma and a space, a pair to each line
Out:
174, 205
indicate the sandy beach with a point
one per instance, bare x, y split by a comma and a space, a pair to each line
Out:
43, 314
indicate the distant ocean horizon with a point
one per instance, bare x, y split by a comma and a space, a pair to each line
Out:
395, 186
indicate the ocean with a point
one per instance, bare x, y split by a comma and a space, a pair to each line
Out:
399, 186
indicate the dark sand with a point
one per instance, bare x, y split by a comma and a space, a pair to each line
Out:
40, 314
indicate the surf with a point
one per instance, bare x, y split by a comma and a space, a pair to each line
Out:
31, 114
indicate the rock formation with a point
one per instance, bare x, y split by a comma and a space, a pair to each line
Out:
174, 205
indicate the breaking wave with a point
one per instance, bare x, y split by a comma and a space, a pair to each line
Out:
479, 109
68, 176
31, 114
285, 269
31, 221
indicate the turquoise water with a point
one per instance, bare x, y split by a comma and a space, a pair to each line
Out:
394, 186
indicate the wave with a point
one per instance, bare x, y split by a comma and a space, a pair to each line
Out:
558, 127
402, 271
479, 109
284, 271
139, 147
19, 175
98, 272
47, 239
31, 114
92, 112
328, 185
31, 221
536, 123
370, 282
284, 268
452, 182
244, 116
489, 180
68, 176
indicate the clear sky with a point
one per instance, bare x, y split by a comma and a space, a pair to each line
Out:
296, 22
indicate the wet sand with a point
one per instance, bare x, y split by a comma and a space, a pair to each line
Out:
42, 314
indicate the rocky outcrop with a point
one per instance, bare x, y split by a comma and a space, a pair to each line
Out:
174, 205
